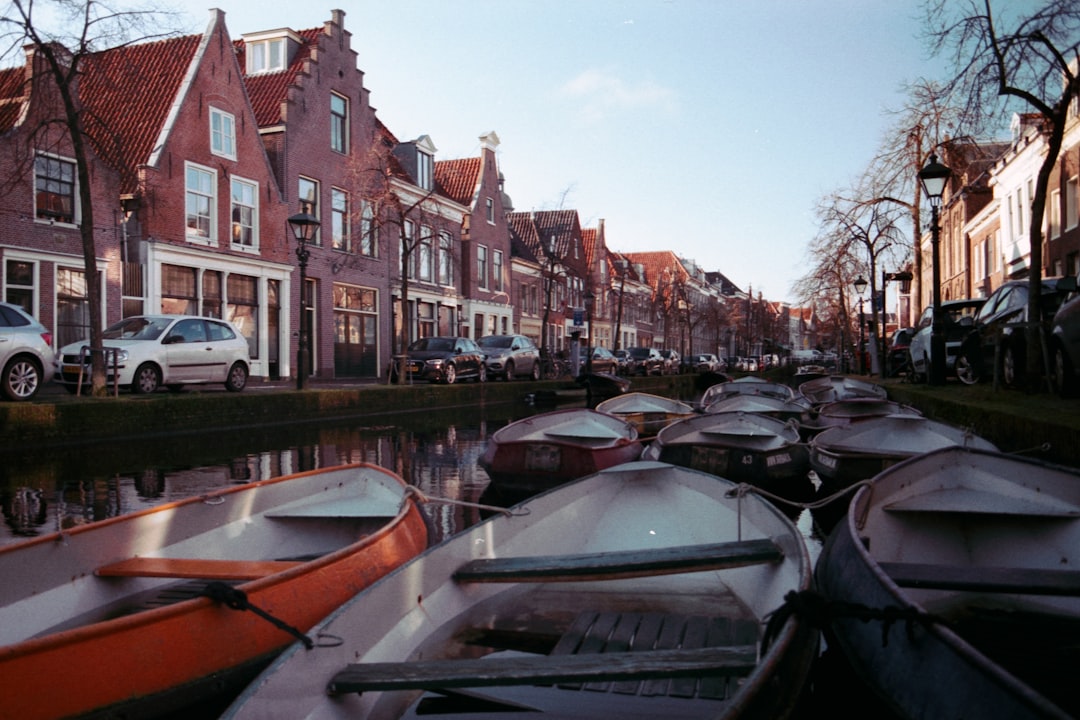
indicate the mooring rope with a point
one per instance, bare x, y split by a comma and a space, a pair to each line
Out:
819, 612
237, 599
422, 497
743, 489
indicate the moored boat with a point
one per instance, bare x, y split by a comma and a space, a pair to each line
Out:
839, 387
647, 412
148, 611
748, 385
642, 591
850, 410
846, 454
603, 385
962, 564
545, 450
780, 408
742, 447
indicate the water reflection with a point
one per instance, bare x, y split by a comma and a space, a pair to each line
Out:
46, 490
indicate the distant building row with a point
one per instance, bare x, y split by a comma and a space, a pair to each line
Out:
203, 146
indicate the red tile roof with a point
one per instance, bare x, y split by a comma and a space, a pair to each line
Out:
12, 96
655, 265
269, 90
129, 93
458, 179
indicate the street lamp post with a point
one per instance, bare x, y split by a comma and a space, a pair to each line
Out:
860, 287
590, 301
303, 225
933, 177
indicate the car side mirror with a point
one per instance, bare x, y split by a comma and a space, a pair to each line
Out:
172, 340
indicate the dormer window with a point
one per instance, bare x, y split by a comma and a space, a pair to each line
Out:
266, 56
425, 170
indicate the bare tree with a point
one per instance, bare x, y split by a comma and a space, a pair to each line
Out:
62, 34
1005, 57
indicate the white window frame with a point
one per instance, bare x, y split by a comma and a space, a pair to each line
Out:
252, 205
446, 258
426, 254
425, 169
339, 141
311, 206
340, 237
222, 133
266, 56
201, 192
51, 180
369, 231
490, 210
482, 266
497, 270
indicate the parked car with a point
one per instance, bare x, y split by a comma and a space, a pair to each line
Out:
26, 354
446, 359
604, 361
896, 361
146, 352
1065, 340
999, 332
645, 361
623, 359
671, 362
510, 356
703, 362
958, 316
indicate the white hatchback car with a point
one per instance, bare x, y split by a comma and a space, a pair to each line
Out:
26, 354
170, 350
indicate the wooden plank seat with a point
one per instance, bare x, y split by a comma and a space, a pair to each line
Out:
539, 669
648, 654
195, 568
1027, 581
620, 564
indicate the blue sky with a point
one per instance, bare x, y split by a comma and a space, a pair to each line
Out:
707, 127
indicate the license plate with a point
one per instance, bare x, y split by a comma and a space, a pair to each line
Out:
415, 367
70, 369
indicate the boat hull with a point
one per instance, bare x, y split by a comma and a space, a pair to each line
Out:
100, 651
421, 612
974, 511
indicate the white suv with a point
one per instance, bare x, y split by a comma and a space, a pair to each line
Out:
26, 354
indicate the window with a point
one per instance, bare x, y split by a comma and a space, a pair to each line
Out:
446, 258
339, 220
19, 283
407, 248
266, 56
490, 209
369, 231
1071, 199
308, 193
425, 165
211, 293
245, 214
339, 123
222, 134
178, 290
497, 270
54, 189
200, 203
426, 256
243, 309
481, 266
72, 306
1020, 213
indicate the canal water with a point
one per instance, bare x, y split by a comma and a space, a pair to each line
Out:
42, 491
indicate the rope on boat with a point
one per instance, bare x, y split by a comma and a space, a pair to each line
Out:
819, 612
424, 498
743, 489
236, 599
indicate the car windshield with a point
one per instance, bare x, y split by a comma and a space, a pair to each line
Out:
495, 341
137, 328
639, 352
443, 344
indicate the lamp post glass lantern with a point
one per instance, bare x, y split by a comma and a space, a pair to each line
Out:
933, 178
303, 226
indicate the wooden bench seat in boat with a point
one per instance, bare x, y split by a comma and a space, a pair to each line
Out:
620, 564
1027, 581
193, 568
649, 654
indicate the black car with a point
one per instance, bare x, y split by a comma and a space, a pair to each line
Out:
1065, 341
999, 334
645, 361
896, 362
446, 360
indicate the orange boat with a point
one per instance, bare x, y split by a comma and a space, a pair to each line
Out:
151, 611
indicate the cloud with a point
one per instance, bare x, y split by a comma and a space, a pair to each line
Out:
601, 94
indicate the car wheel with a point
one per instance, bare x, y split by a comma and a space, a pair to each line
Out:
238, 377
536, 371
147, 379
508, 373
1064, 379
22, 379
1010, 367
450, 375
966, 371
916, 376
481, 375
